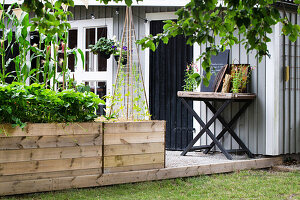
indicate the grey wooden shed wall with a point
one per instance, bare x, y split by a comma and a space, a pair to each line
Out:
139, 14
290, 93
251, 127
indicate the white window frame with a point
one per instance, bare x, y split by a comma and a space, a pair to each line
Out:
81, 76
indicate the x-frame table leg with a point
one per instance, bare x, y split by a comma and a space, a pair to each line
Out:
228, 127
205, 128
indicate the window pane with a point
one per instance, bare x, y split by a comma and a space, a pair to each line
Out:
71, 62
101, 89
34, 40
73, 39
101, 32
92, 86
60, 59
89, 37
102, 64
89, 61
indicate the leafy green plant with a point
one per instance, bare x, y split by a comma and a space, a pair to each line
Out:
103, 46
240, 76
247, 23
192, 78
20, 104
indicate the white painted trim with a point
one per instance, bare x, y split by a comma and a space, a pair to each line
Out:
161, 16
147, 64
80, 74
153, 17
196, 104
273, 93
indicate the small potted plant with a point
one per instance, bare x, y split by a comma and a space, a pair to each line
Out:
240, 76
117, 53
103, 47
192, 78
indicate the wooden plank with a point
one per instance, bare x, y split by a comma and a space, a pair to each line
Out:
49, 141
133, 168
128, 138
215, 95
47, 175
50, 165
132, 127
127, 160
49, 153
167, 173
44, 129
29, 186
130, 149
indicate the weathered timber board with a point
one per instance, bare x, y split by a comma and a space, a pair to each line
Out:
215, 95
131, 149
133, 146
47, 175
128, 160
134, 168
50, 165
133, 127
49, 153
22, 142
133, 138
43, 129
29, 186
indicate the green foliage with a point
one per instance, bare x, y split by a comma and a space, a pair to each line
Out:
240, 77
202, 21
127, 2
192, 78
20, 104
104, 46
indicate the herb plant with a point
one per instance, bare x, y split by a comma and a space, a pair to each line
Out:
192, 77
240, 76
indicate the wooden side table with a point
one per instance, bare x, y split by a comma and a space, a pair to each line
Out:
226, 98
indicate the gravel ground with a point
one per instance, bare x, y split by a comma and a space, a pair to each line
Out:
287, 168
173, 158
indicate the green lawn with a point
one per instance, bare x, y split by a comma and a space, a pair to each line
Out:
239, 185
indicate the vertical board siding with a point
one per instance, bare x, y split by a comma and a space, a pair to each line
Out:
251, 126
290, 93
139, 15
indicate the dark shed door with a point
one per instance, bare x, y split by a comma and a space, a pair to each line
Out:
167, 65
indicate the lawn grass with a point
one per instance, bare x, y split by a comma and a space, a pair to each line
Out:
256, 184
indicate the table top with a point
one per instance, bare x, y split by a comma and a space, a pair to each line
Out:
215, 95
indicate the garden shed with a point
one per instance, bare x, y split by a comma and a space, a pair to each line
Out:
269, 127
52, 139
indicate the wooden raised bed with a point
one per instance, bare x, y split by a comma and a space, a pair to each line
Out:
134, 146
46, 157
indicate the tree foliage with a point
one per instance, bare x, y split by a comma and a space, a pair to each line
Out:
201, 21
204, 20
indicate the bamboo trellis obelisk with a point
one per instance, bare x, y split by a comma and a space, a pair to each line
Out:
129, 99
